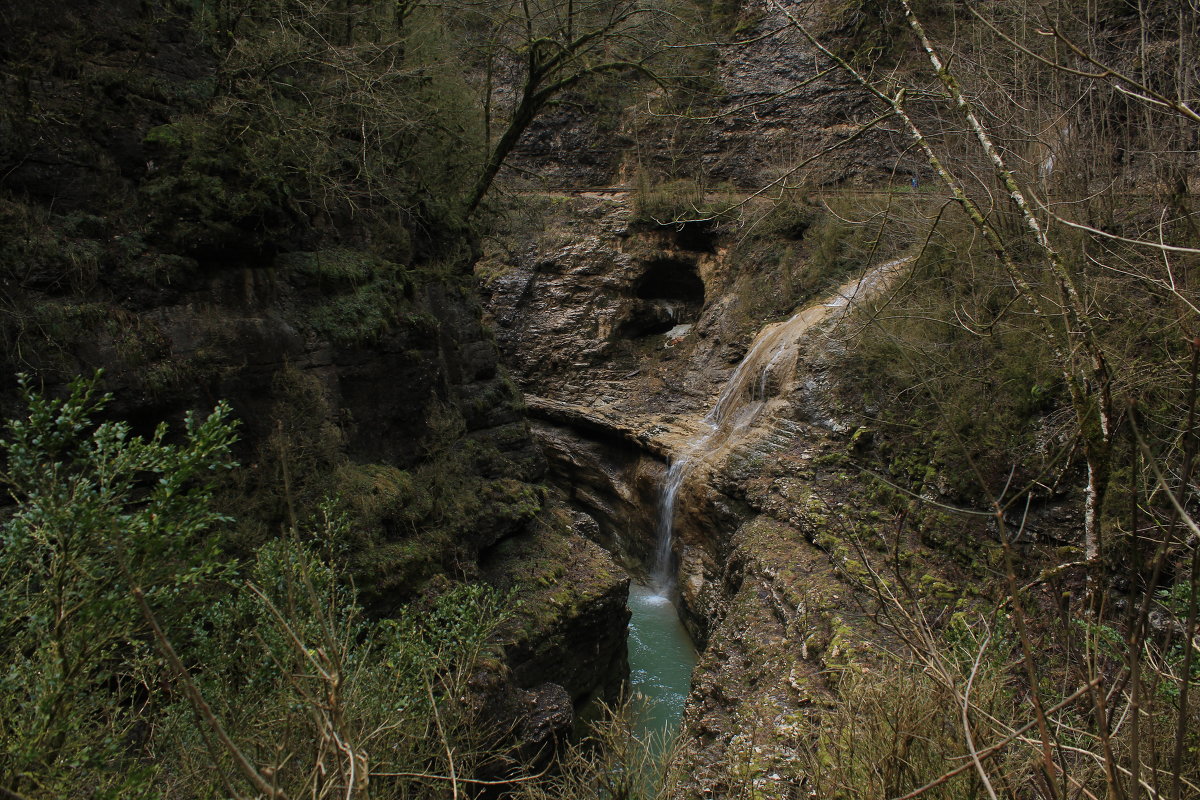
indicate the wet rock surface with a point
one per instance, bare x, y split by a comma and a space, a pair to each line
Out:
615, 485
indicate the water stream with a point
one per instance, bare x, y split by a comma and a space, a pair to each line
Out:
745, 397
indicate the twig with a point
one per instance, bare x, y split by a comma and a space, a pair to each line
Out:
453, 778
1003, 743
1161, 246
1189, 630
1184, 517
966, 721
473, 781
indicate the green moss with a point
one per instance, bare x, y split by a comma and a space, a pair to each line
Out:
831, 459
206, 192
363, 315
512, 500
378, 491
352, 297
339, 267
846, 650
409, 525
172, 137
934, 587
63, 321
40, 248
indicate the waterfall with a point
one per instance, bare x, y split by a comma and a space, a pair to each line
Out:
662, 576
738, 406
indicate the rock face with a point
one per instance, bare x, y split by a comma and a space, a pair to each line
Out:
572, 310
780, 537
626, 332
572, 631
579, 310
778, 108
615, 485
772, 107
612, 333
769, 528
566, 640
354, 371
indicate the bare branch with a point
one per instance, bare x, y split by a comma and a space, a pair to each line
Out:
202, 708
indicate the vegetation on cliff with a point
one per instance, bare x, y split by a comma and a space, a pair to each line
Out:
982, 515
270, 203
222, 199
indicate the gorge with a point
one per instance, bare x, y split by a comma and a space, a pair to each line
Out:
660, 655
812, 380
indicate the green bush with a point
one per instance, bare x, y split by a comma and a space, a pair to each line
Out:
131, 648
98, 513
206, 191
337, 697
953, 340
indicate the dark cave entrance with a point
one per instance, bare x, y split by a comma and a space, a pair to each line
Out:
669, 293
673, 280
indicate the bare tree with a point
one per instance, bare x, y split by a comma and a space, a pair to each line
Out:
1070, 148
532, 51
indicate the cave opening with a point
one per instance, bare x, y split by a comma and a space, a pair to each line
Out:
673, 280
668, 293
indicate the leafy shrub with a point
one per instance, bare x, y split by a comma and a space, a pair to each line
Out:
340, 702
108, 558
927, 371
99, 512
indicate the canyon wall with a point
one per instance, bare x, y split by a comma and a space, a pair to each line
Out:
352, 354
778, 533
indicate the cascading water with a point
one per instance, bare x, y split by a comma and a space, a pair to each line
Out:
660, 655
662, 575
739, 405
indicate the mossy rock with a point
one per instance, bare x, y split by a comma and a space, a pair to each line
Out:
337, 268
349, 296
379, 491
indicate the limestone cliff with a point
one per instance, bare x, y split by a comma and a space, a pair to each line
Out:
351, 350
